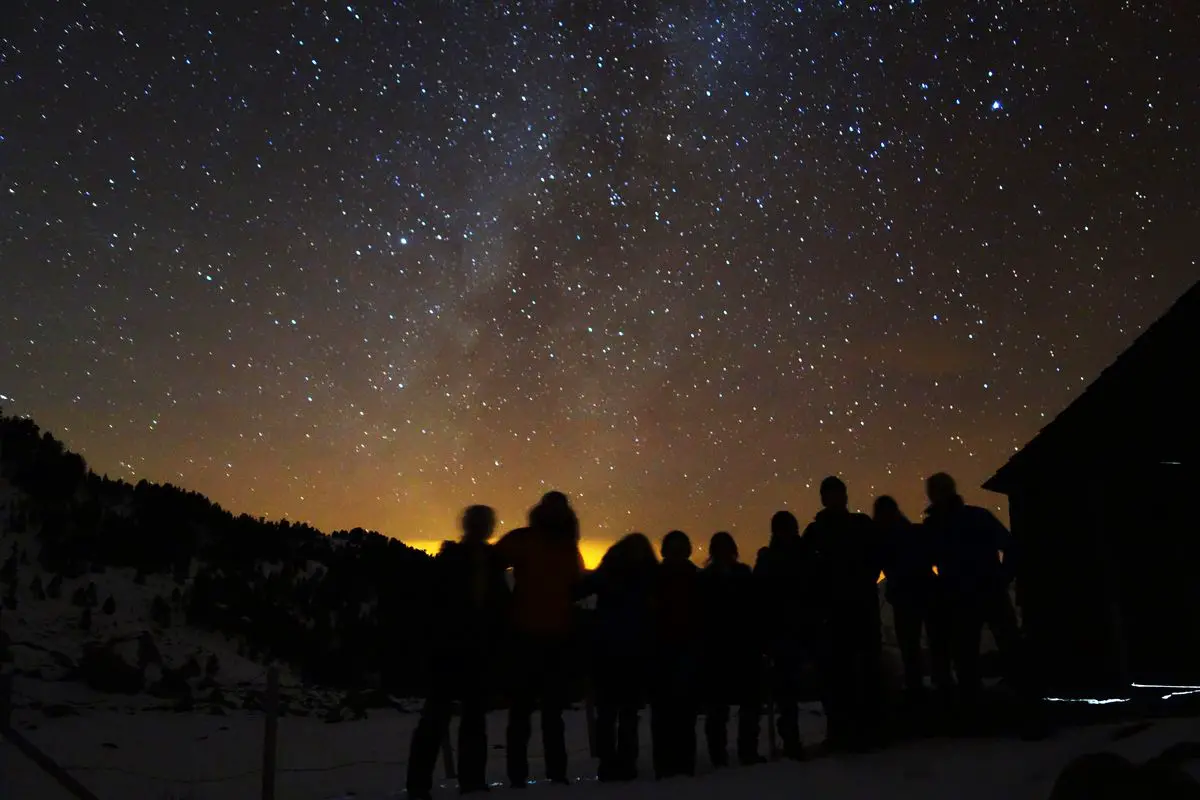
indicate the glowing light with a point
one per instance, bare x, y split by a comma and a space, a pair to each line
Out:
1091, 701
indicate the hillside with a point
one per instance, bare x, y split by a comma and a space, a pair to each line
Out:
153, 588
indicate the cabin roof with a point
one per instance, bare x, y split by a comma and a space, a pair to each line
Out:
1146, 404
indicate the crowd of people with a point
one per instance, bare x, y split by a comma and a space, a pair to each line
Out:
691, 641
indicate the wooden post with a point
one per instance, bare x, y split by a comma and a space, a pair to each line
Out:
30, 751
270, 735
448, 752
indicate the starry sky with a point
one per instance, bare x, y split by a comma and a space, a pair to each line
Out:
362, 264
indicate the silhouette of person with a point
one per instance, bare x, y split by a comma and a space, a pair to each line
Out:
847, 560
673, 702
731, 652
974, 579
910, 589
546, 566
623, 634
468, 615
784, 582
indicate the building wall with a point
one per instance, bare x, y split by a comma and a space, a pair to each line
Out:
1107, 578
1066, 601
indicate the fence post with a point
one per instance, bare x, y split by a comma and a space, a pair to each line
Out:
270, 734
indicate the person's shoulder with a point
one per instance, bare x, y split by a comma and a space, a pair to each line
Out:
980, 513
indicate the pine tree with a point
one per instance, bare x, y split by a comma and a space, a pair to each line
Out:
54, 590
110, 606
85, 619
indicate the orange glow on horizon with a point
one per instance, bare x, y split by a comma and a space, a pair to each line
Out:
591, 551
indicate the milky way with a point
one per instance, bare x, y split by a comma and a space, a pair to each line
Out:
363, 264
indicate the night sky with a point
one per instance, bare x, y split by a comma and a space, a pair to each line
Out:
363, 264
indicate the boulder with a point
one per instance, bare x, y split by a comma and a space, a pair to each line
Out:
103, 669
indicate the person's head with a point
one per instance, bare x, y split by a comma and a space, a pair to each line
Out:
631, 554
676, 546
887, 510
554, 514
478, 524
722, 549
941, 489
833, 493
784, 527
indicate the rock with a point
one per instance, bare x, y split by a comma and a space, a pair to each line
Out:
54, 588
172, 685
58, 710
212, 666
160, 612
147, 651
190, 668
110, 606
103, 669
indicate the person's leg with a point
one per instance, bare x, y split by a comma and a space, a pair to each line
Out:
749, 690
663, 731
749, 718
554, 692
426, 744
907, 617
627, 741
1001, 619
687, 735
522, 699
716, 726
472, 738
785, 680
968, 628
606, 737
938, 630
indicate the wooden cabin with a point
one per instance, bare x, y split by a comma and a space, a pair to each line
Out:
1105, 522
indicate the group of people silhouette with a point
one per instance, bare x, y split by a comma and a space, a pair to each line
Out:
688, 640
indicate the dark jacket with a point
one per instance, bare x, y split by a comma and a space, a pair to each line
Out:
785, 583
623, 623
967, 541
907, 562
677, 606
471, 597
730, 619
847, 560
546, 567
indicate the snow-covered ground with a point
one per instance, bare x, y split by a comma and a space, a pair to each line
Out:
120, 749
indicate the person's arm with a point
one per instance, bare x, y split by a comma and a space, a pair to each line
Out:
506, 546
1003, 541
